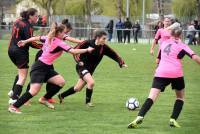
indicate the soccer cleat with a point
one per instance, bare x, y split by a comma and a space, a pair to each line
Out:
90, 104
136, 122
10, 93
174, 123
52, 100
11, 101
45, 102
13, 109
60, 98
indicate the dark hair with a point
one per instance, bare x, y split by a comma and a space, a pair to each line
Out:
28, 12
65, 21
99, 33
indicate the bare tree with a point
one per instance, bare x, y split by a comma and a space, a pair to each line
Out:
119, 9
160, 6
88, 16
198, 9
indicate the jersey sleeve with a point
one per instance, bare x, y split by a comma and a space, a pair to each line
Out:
64, 46
158, 35
185, 50
43, 38
113, 55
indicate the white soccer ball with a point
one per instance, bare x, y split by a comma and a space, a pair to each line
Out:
132, 103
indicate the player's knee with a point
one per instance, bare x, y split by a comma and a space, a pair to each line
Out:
61, 83
91, 84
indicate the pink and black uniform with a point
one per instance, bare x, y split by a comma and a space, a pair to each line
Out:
170, 69
162, 35
42, 69
91, 60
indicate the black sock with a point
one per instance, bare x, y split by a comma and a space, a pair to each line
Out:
23, 99
177, 109
88, 95
28, 87
48, 87
17, 91
52, 90
145, 107
68, 92
16, 79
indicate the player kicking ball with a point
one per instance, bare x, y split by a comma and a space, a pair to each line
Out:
168, 72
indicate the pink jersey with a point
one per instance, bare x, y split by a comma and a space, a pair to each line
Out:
170, 54
52, 51
162, 35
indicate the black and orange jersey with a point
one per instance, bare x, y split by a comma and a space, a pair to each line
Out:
21, 30
91, 60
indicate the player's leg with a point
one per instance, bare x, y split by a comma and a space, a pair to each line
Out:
54, 84
34, 89
78, 87
179, 85
89, 90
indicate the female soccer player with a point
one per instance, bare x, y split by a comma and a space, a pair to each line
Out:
162, 34
43, 71
68, 28
168, 72
87, 63
22, 30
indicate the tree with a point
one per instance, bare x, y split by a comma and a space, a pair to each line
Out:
184, 8
160, 7
119, 8
198, 9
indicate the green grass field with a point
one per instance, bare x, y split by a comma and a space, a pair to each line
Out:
113, 87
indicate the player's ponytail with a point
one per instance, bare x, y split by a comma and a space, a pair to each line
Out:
54, 30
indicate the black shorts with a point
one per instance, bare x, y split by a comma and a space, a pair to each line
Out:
41, 72
20, 57
161, 83
82, 71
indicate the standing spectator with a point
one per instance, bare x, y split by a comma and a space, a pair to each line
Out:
136, 30
127, 27
191, 33
109, 28
119, 27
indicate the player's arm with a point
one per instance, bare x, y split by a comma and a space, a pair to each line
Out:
73, 40
196, 58
74, 51
158, 57
113, 55
22, 43
156, 38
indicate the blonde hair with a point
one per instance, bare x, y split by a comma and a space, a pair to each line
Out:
54, 30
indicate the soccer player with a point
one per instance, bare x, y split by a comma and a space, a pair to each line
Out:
162, 34
42, 70
168, 72
22, 29
68, 28
87, 63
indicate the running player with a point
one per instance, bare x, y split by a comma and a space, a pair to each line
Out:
22, 30
162, 34
87, 63
42, 70
168, 72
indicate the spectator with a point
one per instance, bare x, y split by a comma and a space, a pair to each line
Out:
127, 27
109, 28
136, 30
191, 33
119, 26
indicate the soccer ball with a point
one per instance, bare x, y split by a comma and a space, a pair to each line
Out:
132, 103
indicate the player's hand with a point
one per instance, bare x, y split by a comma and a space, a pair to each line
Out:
90, 49
152, 52
157, 61
124, 65
21, 43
